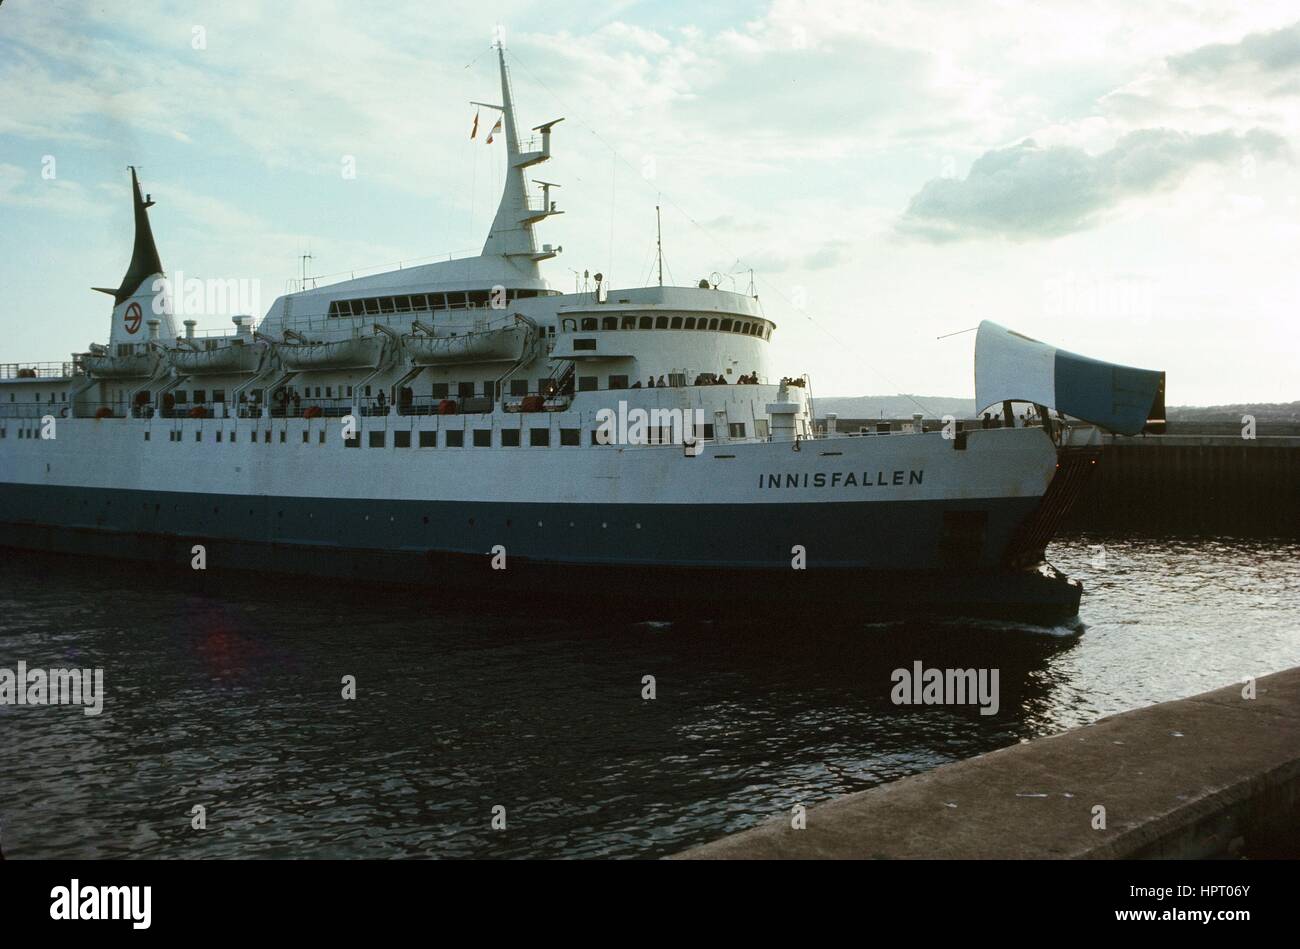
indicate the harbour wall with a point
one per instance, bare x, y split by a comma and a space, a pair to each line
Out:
1197, 479
1214, 775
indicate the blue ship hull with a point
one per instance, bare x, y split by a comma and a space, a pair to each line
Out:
964, 557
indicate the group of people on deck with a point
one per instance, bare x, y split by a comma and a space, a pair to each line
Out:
703, 379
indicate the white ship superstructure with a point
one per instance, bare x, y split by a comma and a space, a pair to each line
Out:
406, 425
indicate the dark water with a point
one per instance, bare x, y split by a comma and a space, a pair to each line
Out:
226, 694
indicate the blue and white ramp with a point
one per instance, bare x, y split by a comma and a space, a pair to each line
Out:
1012, 367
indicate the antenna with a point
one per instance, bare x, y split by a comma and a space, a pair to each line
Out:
659, 243
305, 257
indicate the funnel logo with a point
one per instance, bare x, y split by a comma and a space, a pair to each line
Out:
133, 317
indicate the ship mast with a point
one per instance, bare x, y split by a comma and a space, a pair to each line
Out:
659, 244
512, 229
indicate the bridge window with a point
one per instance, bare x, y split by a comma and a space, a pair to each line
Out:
726, 326
629, 322
690, 323
713, 324
609, 323
677, 323
588, 323
661, 323
646, 323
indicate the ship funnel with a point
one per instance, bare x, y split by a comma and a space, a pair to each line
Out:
142, 295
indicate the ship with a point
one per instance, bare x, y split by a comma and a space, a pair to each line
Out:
465, 427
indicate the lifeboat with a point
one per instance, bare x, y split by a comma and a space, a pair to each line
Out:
361, 352
236, 356
104, 366
498, 345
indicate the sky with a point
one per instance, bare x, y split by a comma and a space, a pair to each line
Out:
1115, 180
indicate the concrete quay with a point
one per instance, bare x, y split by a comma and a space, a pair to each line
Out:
1213, 775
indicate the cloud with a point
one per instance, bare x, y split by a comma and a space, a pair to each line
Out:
1269, 52
18, 189
1027, 192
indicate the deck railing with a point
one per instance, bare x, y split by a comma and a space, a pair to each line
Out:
39, 370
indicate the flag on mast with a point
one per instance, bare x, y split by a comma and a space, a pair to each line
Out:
474, 130
496, 128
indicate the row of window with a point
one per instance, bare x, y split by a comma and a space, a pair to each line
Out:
426, 302
451, 438
633, 322
444, 390
36, 397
